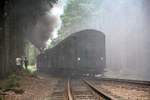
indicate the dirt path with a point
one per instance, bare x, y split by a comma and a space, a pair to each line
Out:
35, 88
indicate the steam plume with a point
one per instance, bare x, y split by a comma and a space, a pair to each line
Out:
39, 20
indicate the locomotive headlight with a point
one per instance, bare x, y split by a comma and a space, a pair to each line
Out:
78, 59
102, 58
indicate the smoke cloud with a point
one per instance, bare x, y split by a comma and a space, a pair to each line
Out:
39, 20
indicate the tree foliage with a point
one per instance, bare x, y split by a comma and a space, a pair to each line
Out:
31, 52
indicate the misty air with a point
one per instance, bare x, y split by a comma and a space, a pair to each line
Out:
74, 50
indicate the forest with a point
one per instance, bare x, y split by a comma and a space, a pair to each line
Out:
50, 29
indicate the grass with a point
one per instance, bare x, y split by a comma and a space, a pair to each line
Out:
13, 80
31, 68
11, 83
31, 71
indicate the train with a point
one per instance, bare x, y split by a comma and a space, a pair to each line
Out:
81, 53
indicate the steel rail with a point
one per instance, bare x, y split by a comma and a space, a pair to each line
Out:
140, 82
69, 92
97, 91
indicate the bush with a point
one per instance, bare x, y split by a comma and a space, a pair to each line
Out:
12, 82
1, 98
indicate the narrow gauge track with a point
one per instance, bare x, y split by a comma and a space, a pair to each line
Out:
59, 91
123, 89
83, 90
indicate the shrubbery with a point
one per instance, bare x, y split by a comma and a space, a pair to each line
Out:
11, 82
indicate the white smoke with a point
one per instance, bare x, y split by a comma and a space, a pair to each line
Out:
56, 12
126, 27
55, 15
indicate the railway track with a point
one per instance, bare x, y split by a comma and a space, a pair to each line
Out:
88, 90
122, 89
79, 91
83, 90
59, 91
76, 90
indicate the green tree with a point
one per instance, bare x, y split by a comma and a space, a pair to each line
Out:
77, 12
31, 52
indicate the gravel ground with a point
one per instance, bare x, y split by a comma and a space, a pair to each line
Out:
36, 88
42, 88
125, 90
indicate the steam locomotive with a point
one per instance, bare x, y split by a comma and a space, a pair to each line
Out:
82, 53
